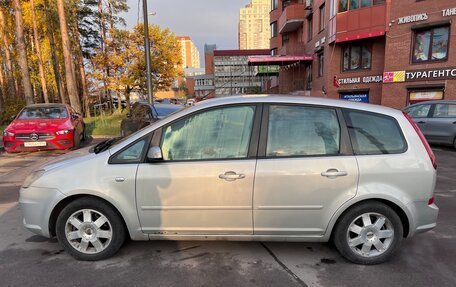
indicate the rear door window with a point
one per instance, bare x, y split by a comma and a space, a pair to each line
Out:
372, 133
302, 131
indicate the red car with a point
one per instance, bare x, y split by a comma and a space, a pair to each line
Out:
44, 127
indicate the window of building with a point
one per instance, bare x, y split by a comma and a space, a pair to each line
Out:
274, 4
431, 45
302, 131
357, 57
321, 64
274, 31
216, 134
285, 39
354, 4
309, 77
343, 5
322, 17
374, 133
309, 28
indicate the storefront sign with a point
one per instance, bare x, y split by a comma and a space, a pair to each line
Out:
426, 96
413, 18
360, 98
449, 12
360, 80
419, 75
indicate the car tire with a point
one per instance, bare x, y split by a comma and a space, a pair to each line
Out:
90, 229
368, 233
84, 134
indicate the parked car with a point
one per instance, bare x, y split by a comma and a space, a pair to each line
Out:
143, 114
358, 174
436, 119
44, 127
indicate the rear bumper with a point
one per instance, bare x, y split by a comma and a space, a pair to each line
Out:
424, 217
58, 142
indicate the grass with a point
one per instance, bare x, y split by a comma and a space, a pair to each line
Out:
105, 125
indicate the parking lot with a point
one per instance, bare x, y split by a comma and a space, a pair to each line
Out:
28, 260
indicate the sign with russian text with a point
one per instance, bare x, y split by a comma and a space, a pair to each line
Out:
419, 75
360, 80
360, 98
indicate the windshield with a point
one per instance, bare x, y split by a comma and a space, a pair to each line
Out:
43, 113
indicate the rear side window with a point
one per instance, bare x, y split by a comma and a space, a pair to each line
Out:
445, 111
302, 131
374, 133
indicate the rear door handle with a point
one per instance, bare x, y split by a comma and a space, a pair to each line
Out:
421, 122
454, 123
333, 173
231, 176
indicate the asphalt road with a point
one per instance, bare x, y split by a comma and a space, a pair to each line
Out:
27, 260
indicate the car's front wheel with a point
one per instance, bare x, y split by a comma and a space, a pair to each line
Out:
90, 229
368, 233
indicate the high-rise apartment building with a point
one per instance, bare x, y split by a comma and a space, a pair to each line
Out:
190, 53
254, 28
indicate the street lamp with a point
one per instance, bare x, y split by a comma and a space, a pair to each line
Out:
147, 50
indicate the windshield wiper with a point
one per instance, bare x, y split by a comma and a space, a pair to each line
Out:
104, 145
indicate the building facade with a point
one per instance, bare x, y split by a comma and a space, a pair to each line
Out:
378, 51
254, 29
190, 53
233, 75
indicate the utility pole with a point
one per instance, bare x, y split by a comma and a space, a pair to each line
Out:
147, 50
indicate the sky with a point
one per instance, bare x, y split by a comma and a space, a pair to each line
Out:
205, 21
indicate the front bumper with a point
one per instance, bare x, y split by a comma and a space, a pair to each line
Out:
11, 144
424, 217
37, 204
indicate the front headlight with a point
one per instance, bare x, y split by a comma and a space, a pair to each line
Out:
63, 132
34, 176
8, 134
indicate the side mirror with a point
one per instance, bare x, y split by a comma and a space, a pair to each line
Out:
155, 153
13, 117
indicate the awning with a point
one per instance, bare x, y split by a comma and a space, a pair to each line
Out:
277, 60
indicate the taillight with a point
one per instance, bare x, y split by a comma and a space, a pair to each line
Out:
423, 140
431, 201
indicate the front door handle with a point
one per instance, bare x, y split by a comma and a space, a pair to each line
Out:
421, 122
333, 173
454, 123
231, 176
120, 179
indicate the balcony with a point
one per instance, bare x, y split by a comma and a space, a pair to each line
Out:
276, 42
274, 15
293, 49
361, 23
292, 18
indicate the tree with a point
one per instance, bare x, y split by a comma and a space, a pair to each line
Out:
38, 52
11, 90
22, 53
68, 59
125, 51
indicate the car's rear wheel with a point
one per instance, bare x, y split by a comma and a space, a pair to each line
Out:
368, 233
90, 229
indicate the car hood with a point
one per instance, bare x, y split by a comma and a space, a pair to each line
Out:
39, 125
70, 158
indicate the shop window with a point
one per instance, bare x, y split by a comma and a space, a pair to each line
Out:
425, 95
321, 64
431, 45
343, 6
357, 57
354, 4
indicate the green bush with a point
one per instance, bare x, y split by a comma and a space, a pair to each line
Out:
12, 107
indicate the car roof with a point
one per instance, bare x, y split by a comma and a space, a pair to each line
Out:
305, 100
434, 102
51, 105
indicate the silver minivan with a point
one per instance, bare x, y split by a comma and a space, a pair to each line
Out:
264, 168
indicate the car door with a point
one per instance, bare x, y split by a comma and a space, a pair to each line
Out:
420, 115
441, 127
76, 120
305, 170
204, 183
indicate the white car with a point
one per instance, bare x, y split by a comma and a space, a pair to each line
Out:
266, 168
